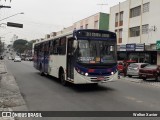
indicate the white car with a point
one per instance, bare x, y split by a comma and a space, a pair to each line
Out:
17, 59
9, 58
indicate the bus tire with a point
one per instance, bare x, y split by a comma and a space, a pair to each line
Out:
62, 78
41, 71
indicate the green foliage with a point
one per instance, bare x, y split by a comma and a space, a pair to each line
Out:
30, 43
20, 45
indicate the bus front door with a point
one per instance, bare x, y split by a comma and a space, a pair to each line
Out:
70, 61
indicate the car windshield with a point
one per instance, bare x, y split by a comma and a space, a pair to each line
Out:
133, 65
100, 52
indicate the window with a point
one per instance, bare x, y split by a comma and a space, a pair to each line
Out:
58, 46
86, 26
120, 33
135, 31
121, 19
121, 16
145, 29
96, 24
146, 7
46, 46
135, 11
51, 47
55, 46
62, 46
116, 20
120, 36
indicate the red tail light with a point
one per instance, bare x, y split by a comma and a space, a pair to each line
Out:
91, 70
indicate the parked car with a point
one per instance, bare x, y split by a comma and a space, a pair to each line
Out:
150, 71
133, 69
29, 58
9, 58
17, 59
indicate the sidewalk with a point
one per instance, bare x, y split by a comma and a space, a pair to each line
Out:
10, 96
148, 82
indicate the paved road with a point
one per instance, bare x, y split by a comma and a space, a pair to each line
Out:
47, 94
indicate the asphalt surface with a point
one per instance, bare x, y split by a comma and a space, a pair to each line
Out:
43, 93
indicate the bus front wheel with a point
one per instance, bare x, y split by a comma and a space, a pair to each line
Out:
62, 78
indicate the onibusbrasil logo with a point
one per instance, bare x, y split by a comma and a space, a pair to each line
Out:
20, 114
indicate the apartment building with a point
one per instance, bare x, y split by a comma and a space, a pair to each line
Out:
96, 21
137, 25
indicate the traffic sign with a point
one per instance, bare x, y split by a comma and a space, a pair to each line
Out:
10, 24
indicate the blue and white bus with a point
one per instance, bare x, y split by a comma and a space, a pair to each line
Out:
81, 57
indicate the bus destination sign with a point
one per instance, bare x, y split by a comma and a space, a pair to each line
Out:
94, 34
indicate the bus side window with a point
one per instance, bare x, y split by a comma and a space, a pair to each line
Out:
62, 46
55, 47
51, 47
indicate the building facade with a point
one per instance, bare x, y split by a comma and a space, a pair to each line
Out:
96, 21
137, 25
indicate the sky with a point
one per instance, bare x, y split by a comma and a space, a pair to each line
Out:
42, 17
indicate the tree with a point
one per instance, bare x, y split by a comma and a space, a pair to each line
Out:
20, 45
29, 44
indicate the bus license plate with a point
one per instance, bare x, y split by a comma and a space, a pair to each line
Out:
101, 78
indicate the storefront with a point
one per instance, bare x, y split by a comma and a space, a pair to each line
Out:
138, 53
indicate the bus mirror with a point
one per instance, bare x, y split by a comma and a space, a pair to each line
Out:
75, 44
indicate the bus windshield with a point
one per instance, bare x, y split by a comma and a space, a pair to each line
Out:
96, 52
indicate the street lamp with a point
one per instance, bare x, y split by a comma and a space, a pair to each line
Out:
11, 16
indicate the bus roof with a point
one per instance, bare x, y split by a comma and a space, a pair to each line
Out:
72, 33
58, 36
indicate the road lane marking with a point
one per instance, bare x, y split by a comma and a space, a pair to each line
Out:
134, 99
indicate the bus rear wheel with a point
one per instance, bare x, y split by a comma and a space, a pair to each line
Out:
62, 78
41, 71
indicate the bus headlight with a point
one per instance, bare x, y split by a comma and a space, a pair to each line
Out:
86, 74
112, 73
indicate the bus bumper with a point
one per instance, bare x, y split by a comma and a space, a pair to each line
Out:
81, 79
